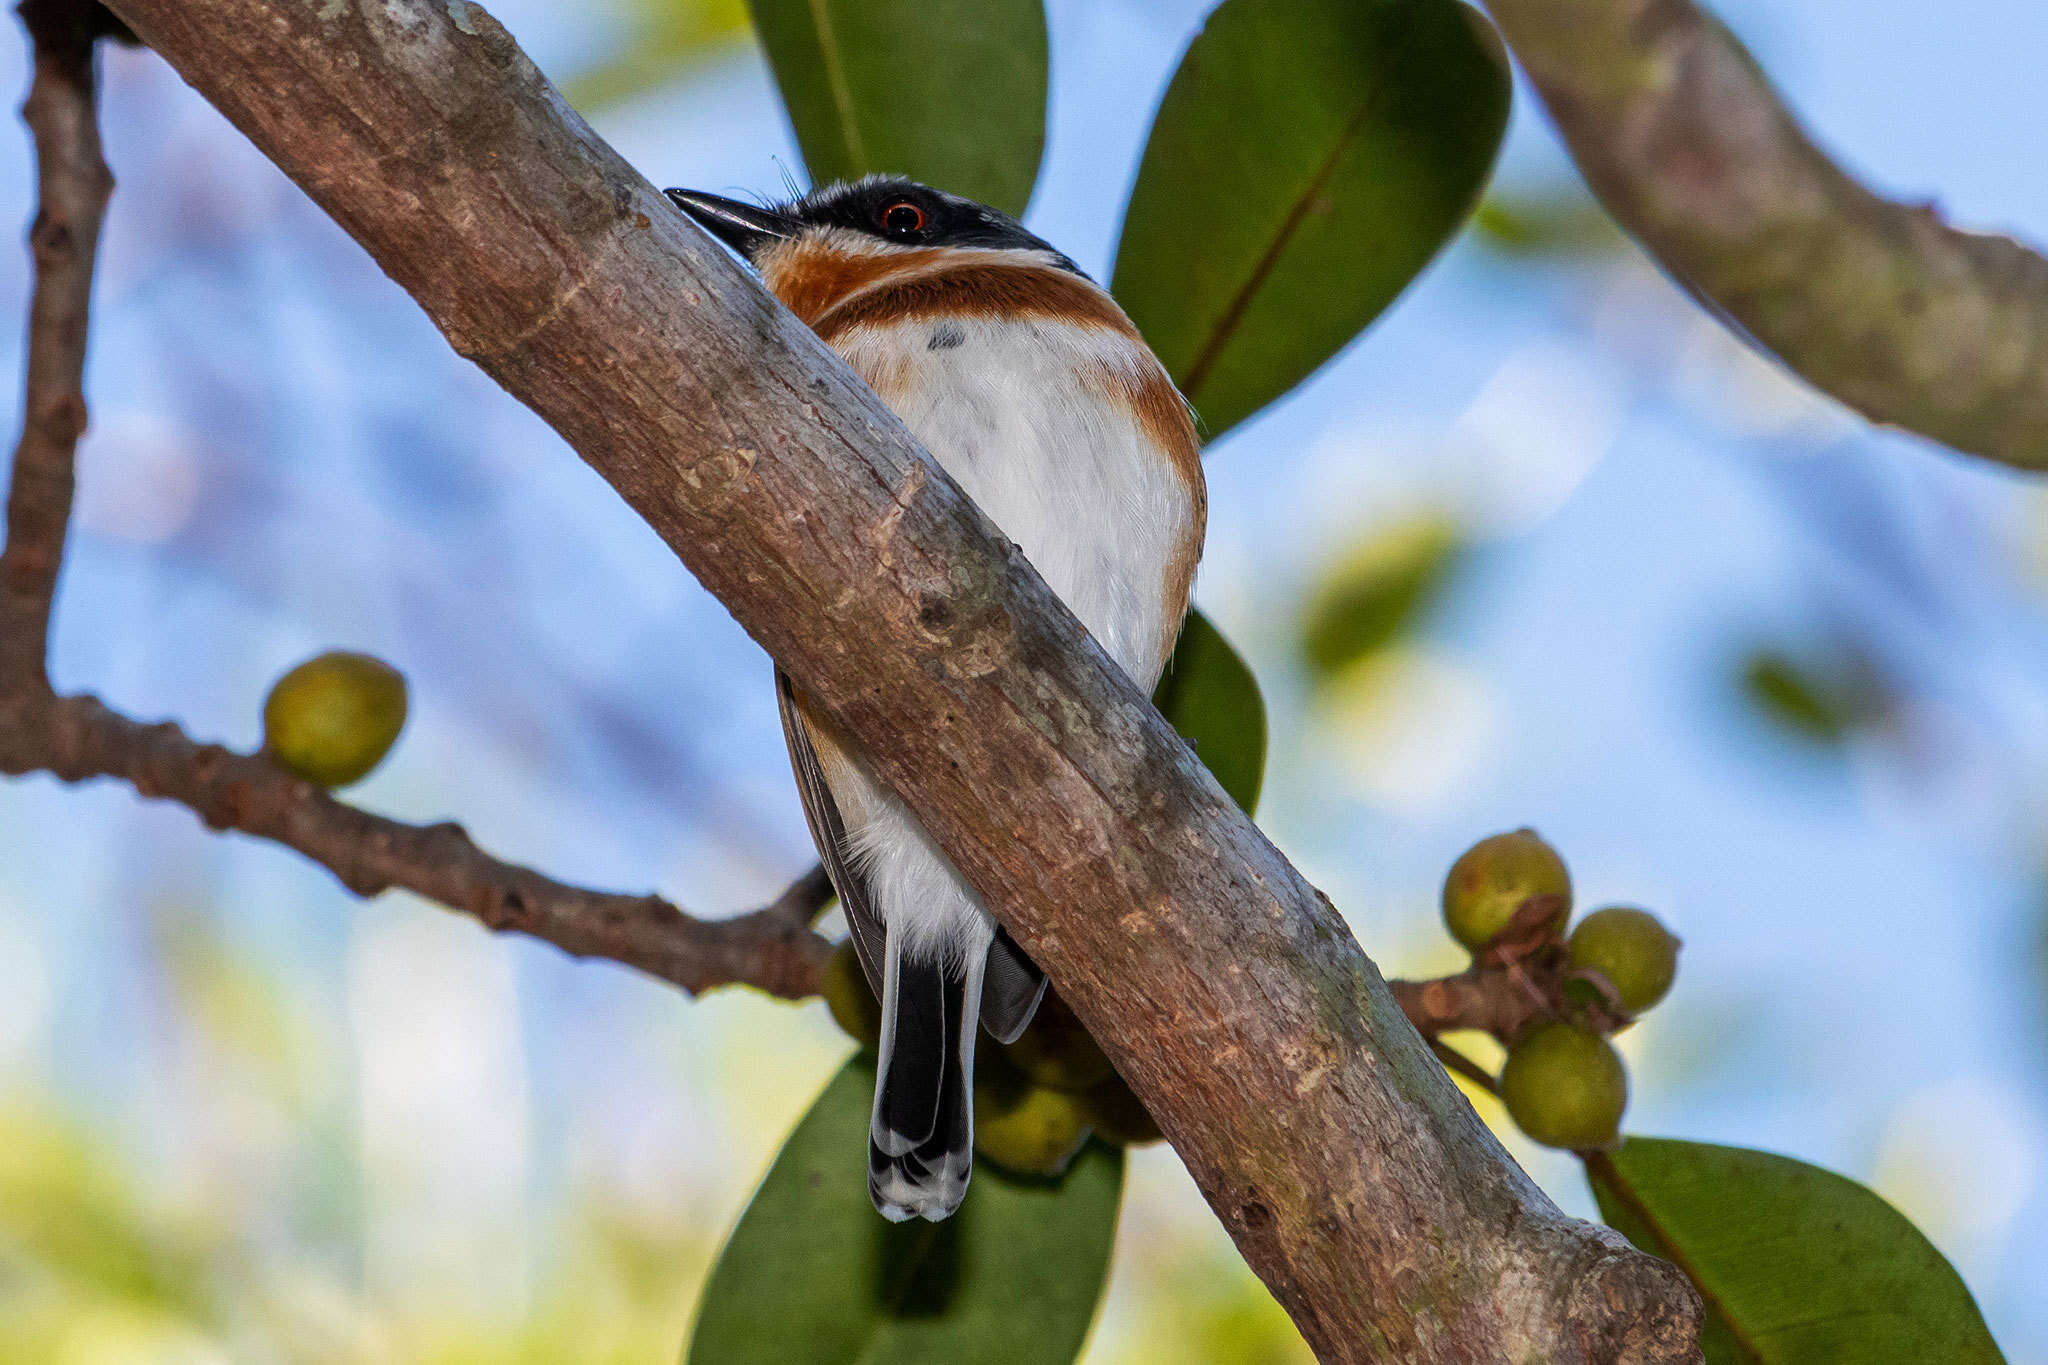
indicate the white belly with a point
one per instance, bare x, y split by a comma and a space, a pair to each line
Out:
1075, 481
1067, 473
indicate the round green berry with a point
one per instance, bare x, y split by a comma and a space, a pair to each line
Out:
1632, 949
1565, 1087
1027, 1129
333, 718
1492, 878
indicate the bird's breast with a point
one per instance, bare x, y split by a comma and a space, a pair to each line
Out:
1069, 435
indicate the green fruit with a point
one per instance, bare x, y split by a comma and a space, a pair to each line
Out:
1027, 1129
1056, 1050
1632, 949
1565, 1087
1117, 1115
1492, 878
333, 718
851, 1000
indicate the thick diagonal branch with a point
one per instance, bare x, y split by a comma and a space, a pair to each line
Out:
1354, 1178
1883, 305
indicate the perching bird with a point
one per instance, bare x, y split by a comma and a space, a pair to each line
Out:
1025, 380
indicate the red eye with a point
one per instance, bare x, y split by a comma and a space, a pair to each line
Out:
903, 218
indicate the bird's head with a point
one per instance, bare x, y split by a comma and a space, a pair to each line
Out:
864, 238
870, 215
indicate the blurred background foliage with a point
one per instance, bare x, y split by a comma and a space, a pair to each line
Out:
1548, 547
663, 41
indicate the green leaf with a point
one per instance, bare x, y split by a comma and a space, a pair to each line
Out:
1796, 1264
949, 92
814, 1276
1209, 695
1308, 160
1379, 591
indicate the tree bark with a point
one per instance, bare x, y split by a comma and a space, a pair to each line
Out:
1883, 305
1354, 1178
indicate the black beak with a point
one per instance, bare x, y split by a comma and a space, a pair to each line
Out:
742, 227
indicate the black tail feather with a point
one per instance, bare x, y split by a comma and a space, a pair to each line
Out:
921, 1138
910, 1087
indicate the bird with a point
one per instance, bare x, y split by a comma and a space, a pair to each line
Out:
1035, 392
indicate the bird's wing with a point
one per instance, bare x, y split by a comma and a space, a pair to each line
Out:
1011, 990
828, 832
1014, 984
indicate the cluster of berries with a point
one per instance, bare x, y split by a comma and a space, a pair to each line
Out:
1508, 900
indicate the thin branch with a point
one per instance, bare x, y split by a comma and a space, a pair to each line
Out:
1505, 996
1457, 1061
72, 185
802, 901
1883, 305
772, 949
1476, 998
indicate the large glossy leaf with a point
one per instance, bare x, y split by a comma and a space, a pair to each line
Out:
1209, 695
950, 92
1795, 1264
814, 1276
1308, 160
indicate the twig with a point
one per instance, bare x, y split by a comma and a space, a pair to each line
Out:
773, 949
1457, 1061
1503, 996
1904, 318
72, 185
